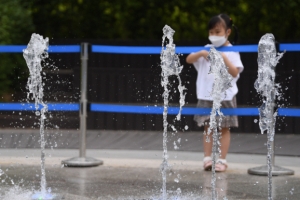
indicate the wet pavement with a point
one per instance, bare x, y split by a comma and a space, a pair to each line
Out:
134, 174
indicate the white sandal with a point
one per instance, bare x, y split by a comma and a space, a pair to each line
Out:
221, 165
207, 163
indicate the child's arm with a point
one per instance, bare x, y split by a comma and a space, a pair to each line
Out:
193, 57
232, 70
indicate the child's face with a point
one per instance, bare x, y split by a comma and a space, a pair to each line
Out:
219, 30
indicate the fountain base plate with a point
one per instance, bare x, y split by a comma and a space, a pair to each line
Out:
82, 162
276, 171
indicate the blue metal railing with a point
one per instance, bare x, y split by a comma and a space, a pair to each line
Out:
183, 50
157, 50
114, 108
143, 49
52, 49
139, 109
31, 106
289, 47
97, 107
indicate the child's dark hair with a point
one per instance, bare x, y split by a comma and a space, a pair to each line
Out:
227, 21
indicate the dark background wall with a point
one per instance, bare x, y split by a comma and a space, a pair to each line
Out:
135, 79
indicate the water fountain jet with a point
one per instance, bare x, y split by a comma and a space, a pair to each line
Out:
170, 66
265, 86
34, 54
222, 81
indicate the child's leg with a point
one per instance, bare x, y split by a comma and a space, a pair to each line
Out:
225, 142
207, 145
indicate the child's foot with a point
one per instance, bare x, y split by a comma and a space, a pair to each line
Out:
207, 163
221, 165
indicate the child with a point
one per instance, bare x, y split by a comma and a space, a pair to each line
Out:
219, 29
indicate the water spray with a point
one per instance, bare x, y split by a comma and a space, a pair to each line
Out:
222, 81
34, 54
170, 66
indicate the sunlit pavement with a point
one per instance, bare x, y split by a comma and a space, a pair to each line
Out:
134, 174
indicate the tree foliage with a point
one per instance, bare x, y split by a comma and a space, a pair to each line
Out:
135, 19
15, 28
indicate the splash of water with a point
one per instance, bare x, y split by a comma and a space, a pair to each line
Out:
265, 86
16, 193
170, 66
5, 177
34, 54
222, 81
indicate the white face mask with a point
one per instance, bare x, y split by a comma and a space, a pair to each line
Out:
217, 41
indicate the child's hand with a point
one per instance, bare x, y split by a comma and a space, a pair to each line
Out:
204, 54
193, 57
234, 71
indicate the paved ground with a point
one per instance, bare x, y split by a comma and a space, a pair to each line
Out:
131, 174
247, 143
131, 167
